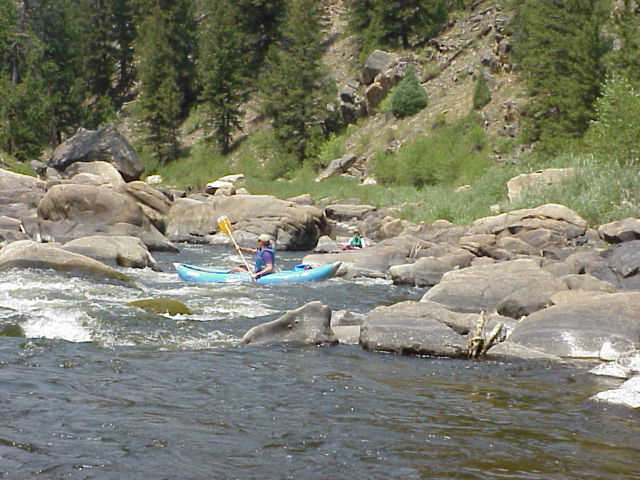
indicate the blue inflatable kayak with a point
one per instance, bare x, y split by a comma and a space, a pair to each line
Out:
195, 273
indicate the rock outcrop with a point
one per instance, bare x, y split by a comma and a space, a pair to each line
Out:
105, 144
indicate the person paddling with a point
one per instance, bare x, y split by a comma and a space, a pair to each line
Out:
265, 257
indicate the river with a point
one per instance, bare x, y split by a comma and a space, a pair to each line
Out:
99, 390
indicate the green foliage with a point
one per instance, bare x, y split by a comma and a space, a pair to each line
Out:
294, 88
409, 97
8, 18
332, 148
481, 92
625, 60
615, 135
600, 193
448, 155
193, 173
560, 49
160, 97
221, 70
383, 23
25, 117
259, 22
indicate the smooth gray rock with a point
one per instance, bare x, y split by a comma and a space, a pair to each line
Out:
557, 218
412, 328
68, 212
114, 250
534, 296
483, 287
307, 325
105, 144
620, 231
29, 254
292, 226
605, 325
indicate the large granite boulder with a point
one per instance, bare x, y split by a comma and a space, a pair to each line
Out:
292, 226
534, 296
602, 326
620, 231
307, 325
428, 271
105, 171
11, 230
337, 167
520, 185
483, 287
19, 195
624, 261
68, 212
154, 203
114, 250
556, 218
413, 328
105, 144
377, 62
29, 254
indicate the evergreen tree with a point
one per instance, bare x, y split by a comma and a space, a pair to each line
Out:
396, 23
560, 49
260, 21
221, 67
160, 96
295, 89
625, 58
8, 30
24, 106
409, 97
124, 34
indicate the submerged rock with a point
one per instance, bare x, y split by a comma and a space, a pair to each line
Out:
161, 306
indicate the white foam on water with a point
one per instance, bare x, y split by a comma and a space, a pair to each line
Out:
60, 324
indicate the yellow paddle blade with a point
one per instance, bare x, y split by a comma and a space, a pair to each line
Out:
224, 224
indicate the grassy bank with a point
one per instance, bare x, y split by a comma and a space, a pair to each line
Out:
599, 192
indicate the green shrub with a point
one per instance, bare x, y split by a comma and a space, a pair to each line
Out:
615, 135
409, 97
449, 155
481, 92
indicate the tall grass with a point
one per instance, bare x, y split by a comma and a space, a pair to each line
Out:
195, 171
420, 182
600, 193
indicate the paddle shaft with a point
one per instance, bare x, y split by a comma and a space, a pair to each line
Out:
225, 225
240, 252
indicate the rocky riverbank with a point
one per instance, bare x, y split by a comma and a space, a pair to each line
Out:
528, 284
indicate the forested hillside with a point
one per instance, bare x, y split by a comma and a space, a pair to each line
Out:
278, 88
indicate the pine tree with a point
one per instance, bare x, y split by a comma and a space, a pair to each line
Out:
25, 114
625, 58
561, 50
260, 21
396, 23
295, 89
160, 96
221, 70
409, 97
8, 30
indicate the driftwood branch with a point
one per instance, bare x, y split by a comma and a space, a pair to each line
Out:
480, 343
